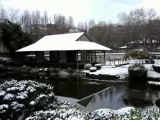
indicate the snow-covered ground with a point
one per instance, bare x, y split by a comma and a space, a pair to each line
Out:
122, 71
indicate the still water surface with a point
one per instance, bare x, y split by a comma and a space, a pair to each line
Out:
113, 95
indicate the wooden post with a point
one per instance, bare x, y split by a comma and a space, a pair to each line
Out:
104, 57
86, 56
91, 57
95, 56
77, 61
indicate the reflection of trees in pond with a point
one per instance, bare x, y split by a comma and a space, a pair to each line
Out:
93, 100
106, 92
137, 98
100, 95
111, 92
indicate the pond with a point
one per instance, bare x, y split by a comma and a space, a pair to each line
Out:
109, 94
117, 97
113, 94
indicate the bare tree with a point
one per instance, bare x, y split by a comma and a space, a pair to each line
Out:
60, 24
3, 13
44, 19
26, 21
13, 15
91, 23
70, 22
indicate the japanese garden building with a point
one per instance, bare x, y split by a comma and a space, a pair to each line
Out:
63, 49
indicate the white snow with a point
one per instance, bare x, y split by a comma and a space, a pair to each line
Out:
22, 95
2, 93
31, 89
12, 89
59, 114
9, 96
153, 83
124, 111
63, 42
122, 71
3, 108
108, 70
16, 106
32, 103
93, 68
123, 47
108, 113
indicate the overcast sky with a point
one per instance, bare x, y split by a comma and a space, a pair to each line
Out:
83, 10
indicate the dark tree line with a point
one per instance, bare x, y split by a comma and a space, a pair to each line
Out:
138, 25
13, 37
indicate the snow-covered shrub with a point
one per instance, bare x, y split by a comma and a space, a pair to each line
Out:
127, 113
63, 74
93, 69
53, 75
75, 75
20, 98
98, 66
156, 68
136, 67
6, 60
108, 114
137, 76
137, 70
58, 114
136, 54
154, 85
34, 73
87, 66
149, 61
139, 114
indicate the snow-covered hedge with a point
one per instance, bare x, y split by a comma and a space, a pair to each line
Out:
137, 67
58, 114
20, 98
98, 66
137, 71
154, 85
87, 66
128, 113
156, 67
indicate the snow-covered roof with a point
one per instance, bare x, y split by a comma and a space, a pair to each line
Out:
123, 47
63, 42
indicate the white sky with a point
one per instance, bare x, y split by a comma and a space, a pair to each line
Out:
83, 10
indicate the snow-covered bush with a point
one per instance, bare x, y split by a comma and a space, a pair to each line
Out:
137, 76
108, 114
136, 67
127, 113
93, 69
20, 98
154, 85
58, 114
63, 74
137, 70
98, 66
87, 66
136, 54
156, 67
139, 114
